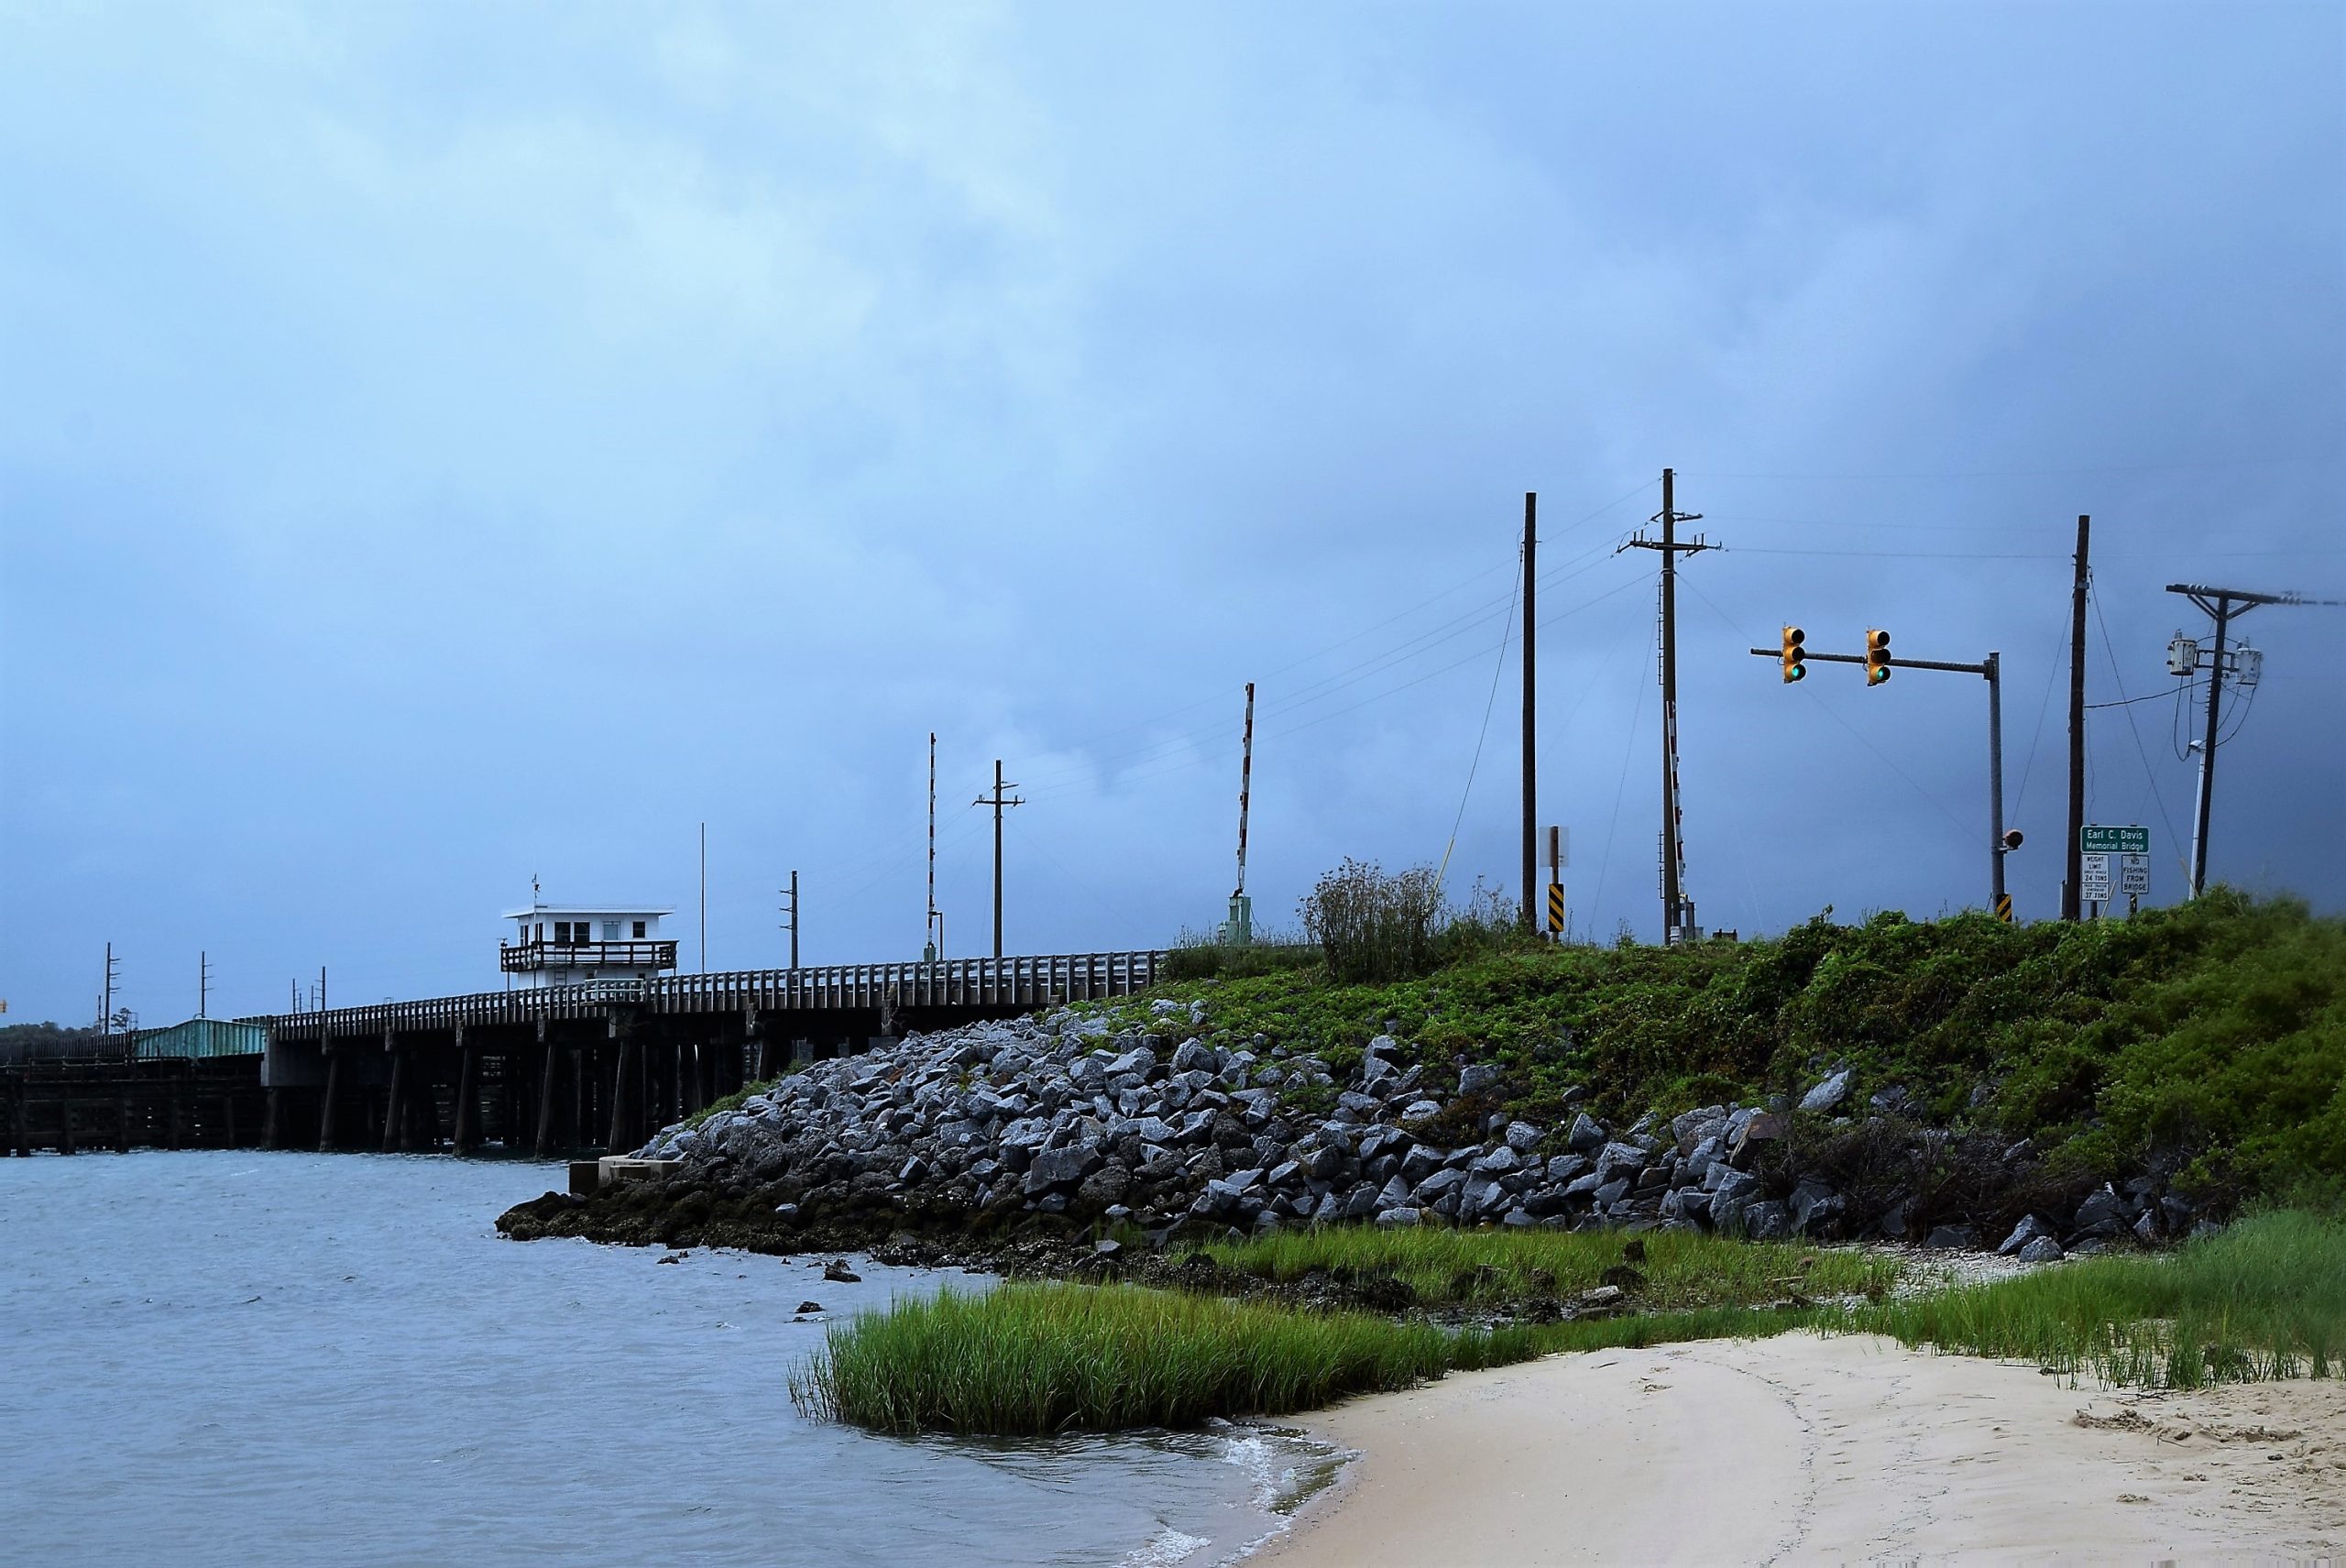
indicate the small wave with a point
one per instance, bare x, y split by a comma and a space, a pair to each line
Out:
1167, 1547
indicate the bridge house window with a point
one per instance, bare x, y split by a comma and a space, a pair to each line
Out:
610, 930
638, 930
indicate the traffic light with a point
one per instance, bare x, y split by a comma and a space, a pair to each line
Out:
1793, 669
1877, 657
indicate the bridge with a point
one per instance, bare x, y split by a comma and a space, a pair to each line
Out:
605, 1063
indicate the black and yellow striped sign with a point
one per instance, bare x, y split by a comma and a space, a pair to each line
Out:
1556, 908
2004, 907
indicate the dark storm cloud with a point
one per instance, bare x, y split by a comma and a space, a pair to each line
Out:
439, 448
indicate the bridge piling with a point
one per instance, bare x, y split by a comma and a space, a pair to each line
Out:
465, 1136
547, 1075
397, 1097
624, 1072
333, 1083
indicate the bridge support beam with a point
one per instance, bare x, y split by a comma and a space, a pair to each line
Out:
624, 1090
333, 1083
394, 1102
548, 1073
468, 1129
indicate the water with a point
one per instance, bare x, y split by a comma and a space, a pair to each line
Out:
225, 1357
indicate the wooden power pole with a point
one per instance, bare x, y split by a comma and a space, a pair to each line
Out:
998, 801
2073, 854
1530, 742
1676, 909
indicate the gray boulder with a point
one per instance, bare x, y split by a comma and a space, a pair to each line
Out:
2028, 1230
1062, 1166
2040, 1249
1828, 1094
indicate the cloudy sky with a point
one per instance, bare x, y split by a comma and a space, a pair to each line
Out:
441, 446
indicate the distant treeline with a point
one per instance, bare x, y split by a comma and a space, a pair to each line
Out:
52, 1042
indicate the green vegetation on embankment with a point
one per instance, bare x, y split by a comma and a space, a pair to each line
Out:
2211, 1037
2265, 1299
1673, 1270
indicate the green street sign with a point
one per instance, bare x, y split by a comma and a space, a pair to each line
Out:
2115, 841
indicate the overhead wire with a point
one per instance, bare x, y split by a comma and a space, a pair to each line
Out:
2118, 677
2043, 706
1483, 734
1469, 616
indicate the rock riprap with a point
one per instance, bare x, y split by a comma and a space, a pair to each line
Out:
1063, 1115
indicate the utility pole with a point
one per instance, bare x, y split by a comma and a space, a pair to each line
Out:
932, 928
792, 910
2185, 657
202, 982
2073, 854
1677, 910
1530, 742
105, 995
998, 801
704, 898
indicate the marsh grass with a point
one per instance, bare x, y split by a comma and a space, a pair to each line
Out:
1026, 1359
2265, 1299
1681, 1270
1035, 1359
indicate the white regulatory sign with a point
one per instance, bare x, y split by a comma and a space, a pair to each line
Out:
2093, 878
2135, 875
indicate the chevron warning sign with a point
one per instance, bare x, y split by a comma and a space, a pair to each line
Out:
1556, 908
2004, 907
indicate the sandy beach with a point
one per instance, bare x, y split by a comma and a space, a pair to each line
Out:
1808, 1449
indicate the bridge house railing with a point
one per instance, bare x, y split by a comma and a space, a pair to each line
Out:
946, 982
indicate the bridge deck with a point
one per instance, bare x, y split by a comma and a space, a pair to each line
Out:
1009, 983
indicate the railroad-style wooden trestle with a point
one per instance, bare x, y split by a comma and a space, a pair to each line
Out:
604, 1063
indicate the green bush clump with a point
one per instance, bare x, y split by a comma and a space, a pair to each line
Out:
1677, 1271
1372, 927
2263, 1299
1026, 1360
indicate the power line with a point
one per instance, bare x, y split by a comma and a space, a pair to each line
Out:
2028, 765
2146, 696
1489, 703
2034, 473
2119, 677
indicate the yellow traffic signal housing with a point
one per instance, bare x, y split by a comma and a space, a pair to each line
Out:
1877, 657
1794, 668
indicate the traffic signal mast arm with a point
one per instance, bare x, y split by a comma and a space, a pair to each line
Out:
1901, 662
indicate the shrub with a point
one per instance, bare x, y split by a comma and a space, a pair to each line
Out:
2265, 1299
1373, 927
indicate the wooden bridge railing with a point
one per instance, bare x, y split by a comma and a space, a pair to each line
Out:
947, 983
